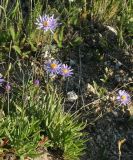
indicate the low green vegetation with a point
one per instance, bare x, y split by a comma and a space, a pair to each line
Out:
39, 114
37, 40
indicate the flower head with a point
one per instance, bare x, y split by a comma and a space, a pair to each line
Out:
66, 71
47, 23
8, 87
123, 97
36, 82
52, 67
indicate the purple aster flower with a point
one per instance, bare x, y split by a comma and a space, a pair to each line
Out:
8, 87
66, 71
123, 97
47, 23
36, 82
52, 67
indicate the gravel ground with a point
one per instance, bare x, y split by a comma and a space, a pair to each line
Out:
109, 127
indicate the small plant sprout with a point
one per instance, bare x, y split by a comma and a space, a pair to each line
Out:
52, 67
47, 23
66, 70
123, 97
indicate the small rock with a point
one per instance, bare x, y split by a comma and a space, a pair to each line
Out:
118, 65
118, 78
127, 53
107, 63
121, 71
130, 79
72, 96
72, 62
115, 113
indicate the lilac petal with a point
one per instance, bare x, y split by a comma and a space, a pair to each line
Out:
118, 97
120, 92
2, 80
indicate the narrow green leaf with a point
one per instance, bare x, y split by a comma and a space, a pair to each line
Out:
17, 49
12, 32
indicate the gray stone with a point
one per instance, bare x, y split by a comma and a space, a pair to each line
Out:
72, 96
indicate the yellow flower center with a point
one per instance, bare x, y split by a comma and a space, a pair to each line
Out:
123, 97
45, 24
65, 71
53, 66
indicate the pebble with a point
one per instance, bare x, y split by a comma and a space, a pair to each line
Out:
72, 62
72, 96
115, 113
121, 71
118, 65
127, 53
130, 79
118, 78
